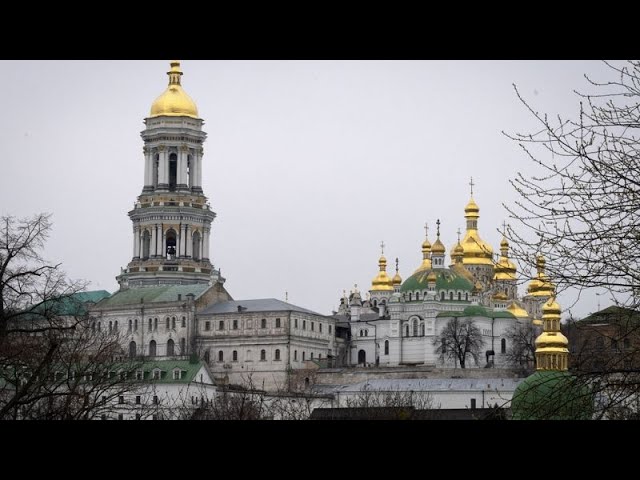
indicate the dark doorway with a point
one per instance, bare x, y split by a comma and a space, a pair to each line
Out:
362, 357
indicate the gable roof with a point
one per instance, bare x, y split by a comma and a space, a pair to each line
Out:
256, 305
155, 294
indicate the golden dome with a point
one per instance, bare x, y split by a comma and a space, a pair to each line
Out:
541, 286
174, 102
500, 296
426, 256
551, 309
438, 247
517, 311
476, 250
551, 346
431, 277
505, 269
471, 210
397, 279
382, 282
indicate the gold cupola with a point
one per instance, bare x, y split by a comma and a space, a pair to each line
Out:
382, 282
541, 286
476, 250
517, 311
397, 279
505, 269
552, 352
426, 251
174, 102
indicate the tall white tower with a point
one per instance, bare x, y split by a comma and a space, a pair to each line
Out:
171, 218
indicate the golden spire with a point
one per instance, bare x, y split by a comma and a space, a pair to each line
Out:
426, 251
458, 252
382, 282
397, 279
541, 286
476, 250
552, 351
438, 247
505, 269
174, 102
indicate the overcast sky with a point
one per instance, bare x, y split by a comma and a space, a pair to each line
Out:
308, 164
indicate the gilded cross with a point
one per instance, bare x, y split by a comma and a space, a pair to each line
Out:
471, 184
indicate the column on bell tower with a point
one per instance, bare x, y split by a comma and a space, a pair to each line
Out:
205, 250
163, 167
183, 159
148, 170
189, 241
136, 241
152, 253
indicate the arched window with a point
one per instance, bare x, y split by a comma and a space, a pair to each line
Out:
410, 297
132, 349
173, 171
406, 331
362, 357
184, 322
207, 356
443, 346
503, 346
277, 323
99, 326
459, 295
171, 238
170, 348
450, 295
135, 325
417, 296
304, 324
183, 348
295, 355
263, 354
386, 347
155, 324
375, 302
146, 244
221, 356
173, 323
415, 327
422, 329
303, 356
277, 356
263, 323
441, 295
110, 326
466, 297
152, 348
366, 333
311, 355
196, 246
130, 325
234, 355
93, 326
167, 323
115, 326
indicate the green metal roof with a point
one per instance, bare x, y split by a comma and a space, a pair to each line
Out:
478, 311
75, 304
188, 369
162, 293
446, 279
552, 395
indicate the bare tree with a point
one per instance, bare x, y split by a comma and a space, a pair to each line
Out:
581, 207
521, 354
52, 365
458, 340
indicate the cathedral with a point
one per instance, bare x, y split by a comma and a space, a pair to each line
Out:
400, 323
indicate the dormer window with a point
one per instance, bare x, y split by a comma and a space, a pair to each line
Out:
156, 374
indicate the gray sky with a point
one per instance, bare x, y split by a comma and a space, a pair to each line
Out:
308, 164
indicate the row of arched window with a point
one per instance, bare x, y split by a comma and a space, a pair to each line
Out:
152, 325
411, 296
263, 356
153, 348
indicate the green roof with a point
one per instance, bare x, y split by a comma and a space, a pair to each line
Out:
188, 369
613, 314
478, 311
446, 279
552, 395
75, 304
162, 293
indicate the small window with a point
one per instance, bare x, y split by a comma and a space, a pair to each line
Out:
503, 345
450, 295
263, 354
207, 326
329, 329
176, 374
221, 325
417, 296
221, 356
156, 374
277, 355
304, 324
386, 347
235, 324
320, 327
303, 355
167, 322
135, 325
277, 323
422, 329
473, 403
311, 355
184, 322
155, 400
295, 355
173, 323
130, 326
466, 297
410, 297
121, 400
155, 324
406, 331
150, 324
459, 295
263, 323
138, 417
312, 326
234, 355
139, 375
441, 295
138, 400
295, 323
99, 326
120, 416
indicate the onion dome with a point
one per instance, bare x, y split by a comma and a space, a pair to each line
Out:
397, 279
541, 286
174, 102
382, 282
476, 250
517, 310
505, 269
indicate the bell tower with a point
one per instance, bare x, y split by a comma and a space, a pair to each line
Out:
171, 217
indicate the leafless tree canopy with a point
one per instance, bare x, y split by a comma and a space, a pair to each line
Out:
52, 366
582, 207
458, 340
521, 354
